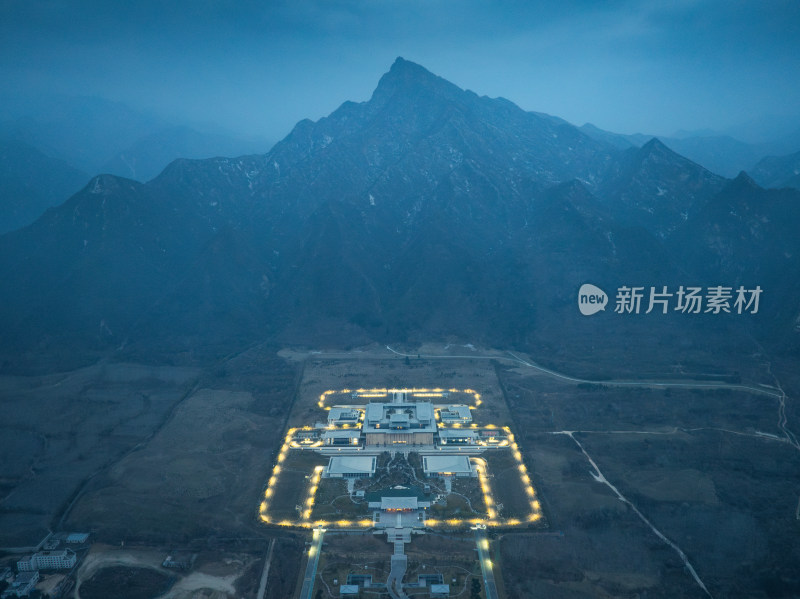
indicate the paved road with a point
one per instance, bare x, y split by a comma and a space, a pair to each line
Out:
761, 390
262, 587
311, 566
487, 568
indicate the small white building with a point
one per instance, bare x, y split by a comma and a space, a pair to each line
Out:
339, 415
457, 436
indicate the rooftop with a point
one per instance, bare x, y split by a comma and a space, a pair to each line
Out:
351, 465
446, 463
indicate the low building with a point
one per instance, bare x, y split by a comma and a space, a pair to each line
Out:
77, 537
398, 499
48, 560
440, 590
348, 590
23, 584
339, 415
456, 413
343, 437
350, 467
447, 465
457, 436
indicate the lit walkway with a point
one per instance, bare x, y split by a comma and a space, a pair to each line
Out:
486, 564
311, 566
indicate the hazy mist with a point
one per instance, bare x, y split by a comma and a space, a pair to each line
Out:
256, 68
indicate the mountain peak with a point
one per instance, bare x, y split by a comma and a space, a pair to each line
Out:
405, 75
655, 145
743, 181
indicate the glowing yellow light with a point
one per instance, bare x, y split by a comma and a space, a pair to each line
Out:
536, 505
513, 522
454, 521
344, 523
276, 470
534, 517
485, 544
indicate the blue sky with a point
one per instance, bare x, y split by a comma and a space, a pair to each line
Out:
256, 68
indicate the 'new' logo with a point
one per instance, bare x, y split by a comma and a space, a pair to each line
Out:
591, 299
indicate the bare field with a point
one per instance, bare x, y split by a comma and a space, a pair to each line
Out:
706, 468
202, 472
210, 459
57, 430
138, 574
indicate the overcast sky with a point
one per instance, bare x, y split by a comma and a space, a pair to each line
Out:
257, 67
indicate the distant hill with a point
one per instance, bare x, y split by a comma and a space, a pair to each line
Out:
31, 182
721, 154
99, 136
778, 171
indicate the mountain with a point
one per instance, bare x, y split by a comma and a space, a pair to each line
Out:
747, 235
721, 154
425, 212
658, 189
778, 171
31, 182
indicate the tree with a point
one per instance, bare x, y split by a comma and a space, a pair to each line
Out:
475, 589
